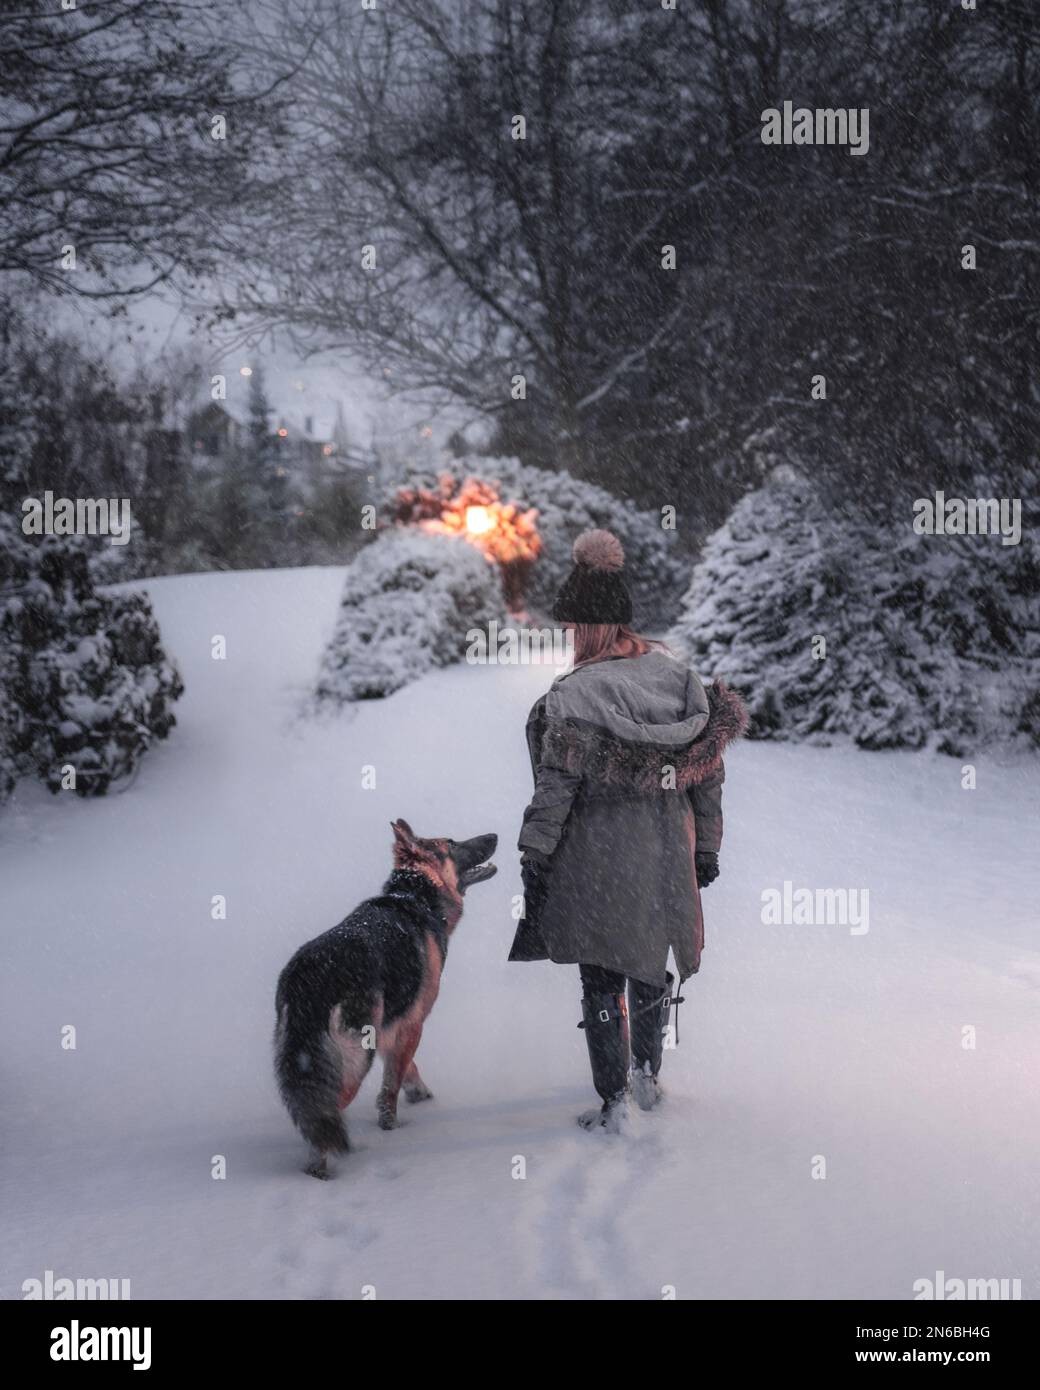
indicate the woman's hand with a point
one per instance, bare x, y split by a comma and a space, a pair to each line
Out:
534, 874
707, 865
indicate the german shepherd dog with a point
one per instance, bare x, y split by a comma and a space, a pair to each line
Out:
367, 986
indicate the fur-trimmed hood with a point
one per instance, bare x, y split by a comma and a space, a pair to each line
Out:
624, 728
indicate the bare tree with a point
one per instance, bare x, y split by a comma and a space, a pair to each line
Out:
480, 190
468, 144
108, 118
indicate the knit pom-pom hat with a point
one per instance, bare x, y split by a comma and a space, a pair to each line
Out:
594, 591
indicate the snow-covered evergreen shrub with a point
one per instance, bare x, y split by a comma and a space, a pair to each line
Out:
930, 641
10, 539
655, 572
86, 681
83, 677
408, 602
8, 766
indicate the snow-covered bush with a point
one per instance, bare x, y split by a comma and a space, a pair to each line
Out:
8, 767
408, 602
84, 680
13, 570
655, 571
930, 641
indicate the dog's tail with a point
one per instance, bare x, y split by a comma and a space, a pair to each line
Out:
309, 1068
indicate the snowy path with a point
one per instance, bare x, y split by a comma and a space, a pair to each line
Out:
796, 1041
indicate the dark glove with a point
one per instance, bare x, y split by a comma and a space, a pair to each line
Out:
707, 868
534, 874
528, 942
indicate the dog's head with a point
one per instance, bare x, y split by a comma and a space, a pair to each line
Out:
453, 865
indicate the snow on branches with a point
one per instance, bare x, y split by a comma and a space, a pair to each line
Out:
85, 686
408, 603
836, 628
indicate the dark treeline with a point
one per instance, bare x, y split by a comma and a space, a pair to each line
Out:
71, 424
542, 256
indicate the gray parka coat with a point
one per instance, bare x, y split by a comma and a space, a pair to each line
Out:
627, 761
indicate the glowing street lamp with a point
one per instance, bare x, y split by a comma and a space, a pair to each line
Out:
478, 521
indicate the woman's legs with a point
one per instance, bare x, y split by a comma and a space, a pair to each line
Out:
648, 1014
605, 1021
620, 1036
595, 979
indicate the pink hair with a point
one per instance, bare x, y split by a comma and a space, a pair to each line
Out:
598, 641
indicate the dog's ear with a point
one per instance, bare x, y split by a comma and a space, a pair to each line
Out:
404, 835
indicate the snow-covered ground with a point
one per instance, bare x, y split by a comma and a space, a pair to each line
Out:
796, 1041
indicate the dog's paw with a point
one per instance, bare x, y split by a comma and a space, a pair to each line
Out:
318, 1170
387, 1120
414, 1094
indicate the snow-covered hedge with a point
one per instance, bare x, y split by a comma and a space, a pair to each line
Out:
655, 571
408, 602
84, 680
930, 641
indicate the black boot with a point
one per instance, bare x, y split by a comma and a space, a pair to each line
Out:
605, 1020
648, 1012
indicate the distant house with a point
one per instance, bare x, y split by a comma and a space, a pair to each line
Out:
309, 455
301, 454
298, 451
211, 433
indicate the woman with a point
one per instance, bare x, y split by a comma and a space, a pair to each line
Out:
624, 827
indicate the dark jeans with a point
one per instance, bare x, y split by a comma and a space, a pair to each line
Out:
595, 979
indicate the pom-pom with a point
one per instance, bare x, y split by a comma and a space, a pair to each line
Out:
600, 550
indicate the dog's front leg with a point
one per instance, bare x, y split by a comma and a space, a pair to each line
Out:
397, 1063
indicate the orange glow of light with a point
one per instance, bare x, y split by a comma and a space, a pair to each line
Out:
478, 521
282, 433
